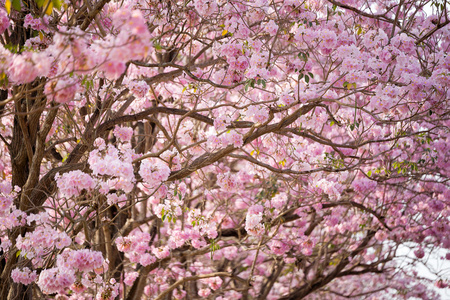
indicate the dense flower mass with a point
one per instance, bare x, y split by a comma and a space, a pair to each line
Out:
154, 171
24, 276
224, 149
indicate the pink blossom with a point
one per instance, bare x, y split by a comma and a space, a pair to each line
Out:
271, 27
55, 280
214, 282
233, 138
139, 88
259, 115
130, 278
179, 294
287, 99
221, 122
22, 69
204, 292
230, 182
24, 276
113, 69
154, 171
62, 90
74, 182
206, 7
381, 235
329, 39
35, 23
4, 21
147, 259
278, 247
84, 260
161, 252
124, 134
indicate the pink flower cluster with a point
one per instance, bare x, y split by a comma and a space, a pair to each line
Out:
132, 42
75, 54
124, 134
230, 182
108, 291
35, 23
233, 138
55, 280
130, 277
257, 114
4, 21
278, 247
154, 171
115, 163
206, 7
11, 217
61, 90
27, 66
287, 99
213, 282
271, 27
137, 247
139, 88
84, 260
5, 203
5, 60
38, 243
112, 199
24, 276
73, 183
241, 63
161, 252
221, 122
253, 224
204, 292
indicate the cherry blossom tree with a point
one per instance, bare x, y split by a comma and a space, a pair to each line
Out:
215, 149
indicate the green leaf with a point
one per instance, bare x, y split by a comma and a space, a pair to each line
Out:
331, 123
18, 253
300, 76
359, 30
57, 4
310, 74
307, 78
157, 46
369, 173
16, 5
